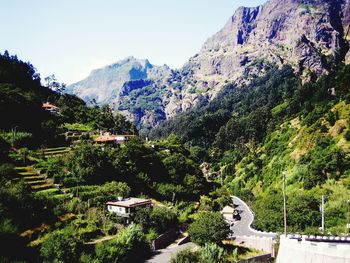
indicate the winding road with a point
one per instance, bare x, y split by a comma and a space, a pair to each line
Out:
242, 227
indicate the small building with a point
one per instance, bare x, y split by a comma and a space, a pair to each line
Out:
113, 139
228, 213
127, 207
50, 107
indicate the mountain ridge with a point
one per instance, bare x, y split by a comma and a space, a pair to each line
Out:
309, 35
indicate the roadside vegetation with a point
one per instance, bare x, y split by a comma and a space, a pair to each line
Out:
249, 135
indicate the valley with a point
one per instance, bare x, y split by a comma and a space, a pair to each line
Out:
137, 160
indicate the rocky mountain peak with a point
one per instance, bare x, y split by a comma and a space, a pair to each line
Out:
104, 85
307, 34
310, 35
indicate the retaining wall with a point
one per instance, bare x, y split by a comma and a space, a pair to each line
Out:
266, 244
304, 251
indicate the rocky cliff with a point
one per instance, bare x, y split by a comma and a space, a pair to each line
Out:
310, 35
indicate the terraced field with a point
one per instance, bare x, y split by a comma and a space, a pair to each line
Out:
40, 183
34, 179
58, 151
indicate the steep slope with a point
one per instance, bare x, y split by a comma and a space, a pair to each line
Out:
249, 135
309, 35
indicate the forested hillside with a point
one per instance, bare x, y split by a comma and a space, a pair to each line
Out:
55, 179
250, 134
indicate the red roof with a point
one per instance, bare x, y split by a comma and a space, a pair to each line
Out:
105, 138
47, 105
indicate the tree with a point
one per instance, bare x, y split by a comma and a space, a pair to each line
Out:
303, 211
129, 246
209, 228
61, 246
159, 218
7, 172
90, 164
4, 150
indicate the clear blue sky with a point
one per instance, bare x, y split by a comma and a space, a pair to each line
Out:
69, 38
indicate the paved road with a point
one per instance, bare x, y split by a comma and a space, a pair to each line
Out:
242, 227
166, 253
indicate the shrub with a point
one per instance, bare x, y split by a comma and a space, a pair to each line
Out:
209, 228
211, 252
185, 256
129, 246
61, 246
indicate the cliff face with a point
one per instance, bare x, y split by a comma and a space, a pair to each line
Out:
307, 34
310, 35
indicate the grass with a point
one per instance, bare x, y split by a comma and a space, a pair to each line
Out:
279, 108
242, 252
42, 186
48, 191
56, 149
34, 178
46, 153
36, 182
27, 173
21, 168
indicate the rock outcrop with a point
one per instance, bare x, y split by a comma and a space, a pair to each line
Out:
310, 35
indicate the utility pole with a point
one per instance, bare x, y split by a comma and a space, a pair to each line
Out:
322, 213
284, 203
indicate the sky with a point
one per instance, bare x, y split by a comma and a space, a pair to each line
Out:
69, 38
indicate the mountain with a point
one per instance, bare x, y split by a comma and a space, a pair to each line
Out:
104, 85
310, 35
307, 34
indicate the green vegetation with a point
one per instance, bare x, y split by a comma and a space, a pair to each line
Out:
250, 134
157, 220
128, 246
209, 228
239, 144
62, 191
211, 252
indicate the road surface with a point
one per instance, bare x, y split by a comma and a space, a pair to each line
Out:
242, 227
165, 254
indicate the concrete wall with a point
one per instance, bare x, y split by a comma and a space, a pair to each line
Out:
164, 240
265, 244
302, 251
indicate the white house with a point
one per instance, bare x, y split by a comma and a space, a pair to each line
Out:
127, 207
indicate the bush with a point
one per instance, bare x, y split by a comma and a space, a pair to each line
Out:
159, 219
61, 246
7, 172
185, 256
129, 246
213, 253
209, 228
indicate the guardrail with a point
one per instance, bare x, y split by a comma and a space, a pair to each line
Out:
331, 239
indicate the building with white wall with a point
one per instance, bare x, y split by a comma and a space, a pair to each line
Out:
127, 207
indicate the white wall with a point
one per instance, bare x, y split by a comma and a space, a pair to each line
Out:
116, 209
292, 250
